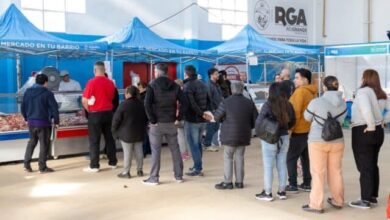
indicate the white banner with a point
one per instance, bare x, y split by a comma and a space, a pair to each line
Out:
286, 21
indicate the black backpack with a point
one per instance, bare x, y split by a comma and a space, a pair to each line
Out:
331, 128
268, 130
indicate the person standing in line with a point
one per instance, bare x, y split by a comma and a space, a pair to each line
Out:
326, 156
215, 94
278, 78
367, 120
225, 84
142, 86
184, 148
129, 125
237, 115
279, 109
304, 93
39, 108
161, 104
195, 116
98, 99
287, 85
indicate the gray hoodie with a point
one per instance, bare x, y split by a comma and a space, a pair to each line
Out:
331, 102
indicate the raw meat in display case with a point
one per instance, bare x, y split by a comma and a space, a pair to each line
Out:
16, 122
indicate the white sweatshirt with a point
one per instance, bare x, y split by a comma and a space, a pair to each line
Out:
368, 110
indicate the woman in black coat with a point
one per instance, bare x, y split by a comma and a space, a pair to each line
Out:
129, 125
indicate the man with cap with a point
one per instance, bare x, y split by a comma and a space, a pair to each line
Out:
68, 84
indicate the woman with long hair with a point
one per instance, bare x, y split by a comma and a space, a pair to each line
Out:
368, 135
279, 109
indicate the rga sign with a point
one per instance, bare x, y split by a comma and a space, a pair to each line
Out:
282, 20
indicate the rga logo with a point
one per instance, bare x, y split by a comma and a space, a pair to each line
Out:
262, 14
289, 16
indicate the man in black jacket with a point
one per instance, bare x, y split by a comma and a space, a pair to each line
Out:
39, 108
215, 94
161, 100
142, 86
198, 103
238, 116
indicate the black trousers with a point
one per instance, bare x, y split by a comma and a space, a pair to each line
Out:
100, 123
366, 147
146, 145
43, 135
298, 149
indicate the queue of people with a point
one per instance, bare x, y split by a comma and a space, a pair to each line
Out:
293, 123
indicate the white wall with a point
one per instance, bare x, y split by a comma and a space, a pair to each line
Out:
345, 19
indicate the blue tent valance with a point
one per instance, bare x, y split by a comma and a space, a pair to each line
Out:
138, 38
249, 40
18, 34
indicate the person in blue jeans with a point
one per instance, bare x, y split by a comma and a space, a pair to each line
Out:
195, 116
277, 108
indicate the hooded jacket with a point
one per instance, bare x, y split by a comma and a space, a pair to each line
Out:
39, 104
161, 101
300, 99
331, 102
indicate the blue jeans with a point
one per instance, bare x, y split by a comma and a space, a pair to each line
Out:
211, 134
270, 156
193, 132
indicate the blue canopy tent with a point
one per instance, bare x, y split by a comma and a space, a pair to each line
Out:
19, 36
248, 42
136, 42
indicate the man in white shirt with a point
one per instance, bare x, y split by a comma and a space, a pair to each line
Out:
68, 101
68, 84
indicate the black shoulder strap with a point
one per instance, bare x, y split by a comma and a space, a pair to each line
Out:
342, 113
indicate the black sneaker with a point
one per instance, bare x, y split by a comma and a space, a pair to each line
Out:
374, 201
124, 175
239, 185
308, 209
305, 188
291, 189
46, 170
282, 195
360, 204
28, 169
330, 202
140, 173
263, 196
195, 173
224, 185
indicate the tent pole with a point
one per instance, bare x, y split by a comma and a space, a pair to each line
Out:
181, 69
112, 63
319, 75
18, 72
106, 55
151, 70
56, 61
265, 72
247, 69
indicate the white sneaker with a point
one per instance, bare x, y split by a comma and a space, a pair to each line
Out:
113, 166
91, 170
179, 180
211, 149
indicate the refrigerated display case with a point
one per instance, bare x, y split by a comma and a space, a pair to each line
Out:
71, 136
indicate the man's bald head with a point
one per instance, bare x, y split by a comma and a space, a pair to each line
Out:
285, 74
